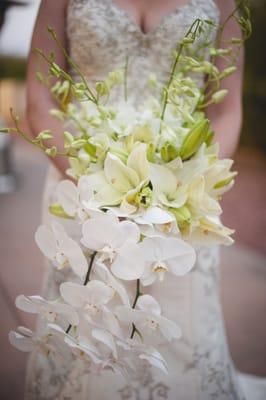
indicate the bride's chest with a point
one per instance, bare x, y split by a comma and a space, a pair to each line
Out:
101, 34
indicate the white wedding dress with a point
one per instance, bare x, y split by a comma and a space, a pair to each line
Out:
100, 36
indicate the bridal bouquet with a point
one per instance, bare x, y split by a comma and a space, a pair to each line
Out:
145, 188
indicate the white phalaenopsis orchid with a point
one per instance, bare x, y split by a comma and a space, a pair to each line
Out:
147, 318
77, 201
50, 310
88, 299
58, 247
107, 235
143, 352
152, 258
165, 254
26, 340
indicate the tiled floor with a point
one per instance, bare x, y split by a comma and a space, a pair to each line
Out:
243, 271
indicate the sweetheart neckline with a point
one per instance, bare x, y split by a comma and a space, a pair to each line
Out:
159, 26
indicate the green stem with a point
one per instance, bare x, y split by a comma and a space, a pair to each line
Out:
173, 70
125, 78
87, 278
138, 294
73, 65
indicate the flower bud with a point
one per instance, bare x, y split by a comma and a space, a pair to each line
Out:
194, 139
51, 152
102, 88
217, 97
181, 214
44, 135
4, 130
90, 149
227, 72
169, 152
68, 138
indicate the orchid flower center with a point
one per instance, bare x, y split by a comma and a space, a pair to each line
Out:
108, 252
82, 214
91, 309
49, 315
160, 268
61, 259
151, 323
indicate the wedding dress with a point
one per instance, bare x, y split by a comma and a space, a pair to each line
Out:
100, 36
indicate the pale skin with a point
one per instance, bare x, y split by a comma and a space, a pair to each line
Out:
225, 117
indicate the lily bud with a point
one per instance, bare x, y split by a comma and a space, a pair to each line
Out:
169, 152
150, 152
182, 214
194, 139
90, 149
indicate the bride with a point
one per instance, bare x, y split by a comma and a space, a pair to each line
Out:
100, 34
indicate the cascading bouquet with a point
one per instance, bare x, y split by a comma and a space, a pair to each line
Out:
148, 181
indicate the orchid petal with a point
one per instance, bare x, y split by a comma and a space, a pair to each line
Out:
149, 304
46, 242
68, 196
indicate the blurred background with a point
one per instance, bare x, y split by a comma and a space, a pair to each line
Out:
22, 174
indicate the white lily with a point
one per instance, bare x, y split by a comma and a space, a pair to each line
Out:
60, 248
209, 232
89, 299
50, 310
107, 235
147, 317
219, 178
119, 183
199, 201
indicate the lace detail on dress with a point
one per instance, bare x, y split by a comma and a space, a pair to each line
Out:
101, 35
